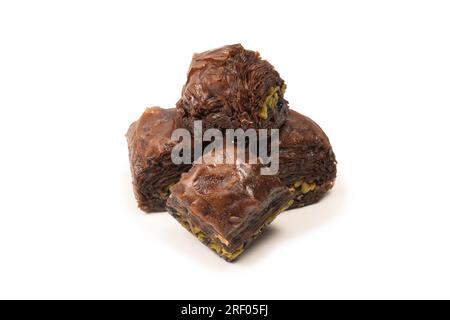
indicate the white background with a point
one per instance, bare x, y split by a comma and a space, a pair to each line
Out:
74, 74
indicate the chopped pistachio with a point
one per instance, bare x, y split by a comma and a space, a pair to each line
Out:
263, 114
270, 101
307, 187
283, 88
297, 183
272, 97
201, 236
214, 246
234, 255
210, 243
223, 252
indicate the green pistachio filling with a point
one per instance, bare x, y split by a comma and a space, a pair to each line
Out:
222, 252
297, 184
305, 187
263, 114
213, 245
270, 101
216, 246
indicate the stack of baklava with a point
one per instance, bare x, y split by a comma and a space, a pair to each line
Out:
226, 205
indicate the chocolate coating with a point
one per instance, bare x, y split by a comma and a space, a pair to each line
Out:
307, 160
226, 205
150, 147
231, 87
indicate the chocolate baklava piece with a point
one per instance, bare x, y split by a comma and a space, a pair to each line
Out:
226, 206
231, 87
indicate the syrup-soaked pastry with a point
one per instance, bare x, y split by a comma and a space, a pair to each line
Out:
226, 206
150, 147
307, 160
231, 87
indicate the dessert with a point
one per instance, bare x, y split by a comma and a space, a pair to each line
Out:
226, 206
231, 87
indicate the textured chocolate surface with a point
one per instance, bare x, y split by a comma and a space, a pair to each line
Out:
231, 87
227, 206
307, 161
150, 147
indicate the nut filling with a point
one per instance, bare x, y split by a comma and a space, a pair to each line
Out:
220, 247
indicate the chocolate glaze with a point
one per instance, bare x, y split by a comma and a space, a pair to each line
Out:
150, 147
227, 87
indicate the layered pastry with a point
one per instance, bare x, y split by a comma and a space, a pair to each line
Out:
307, 160
231, 87
150, 147
227, 206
